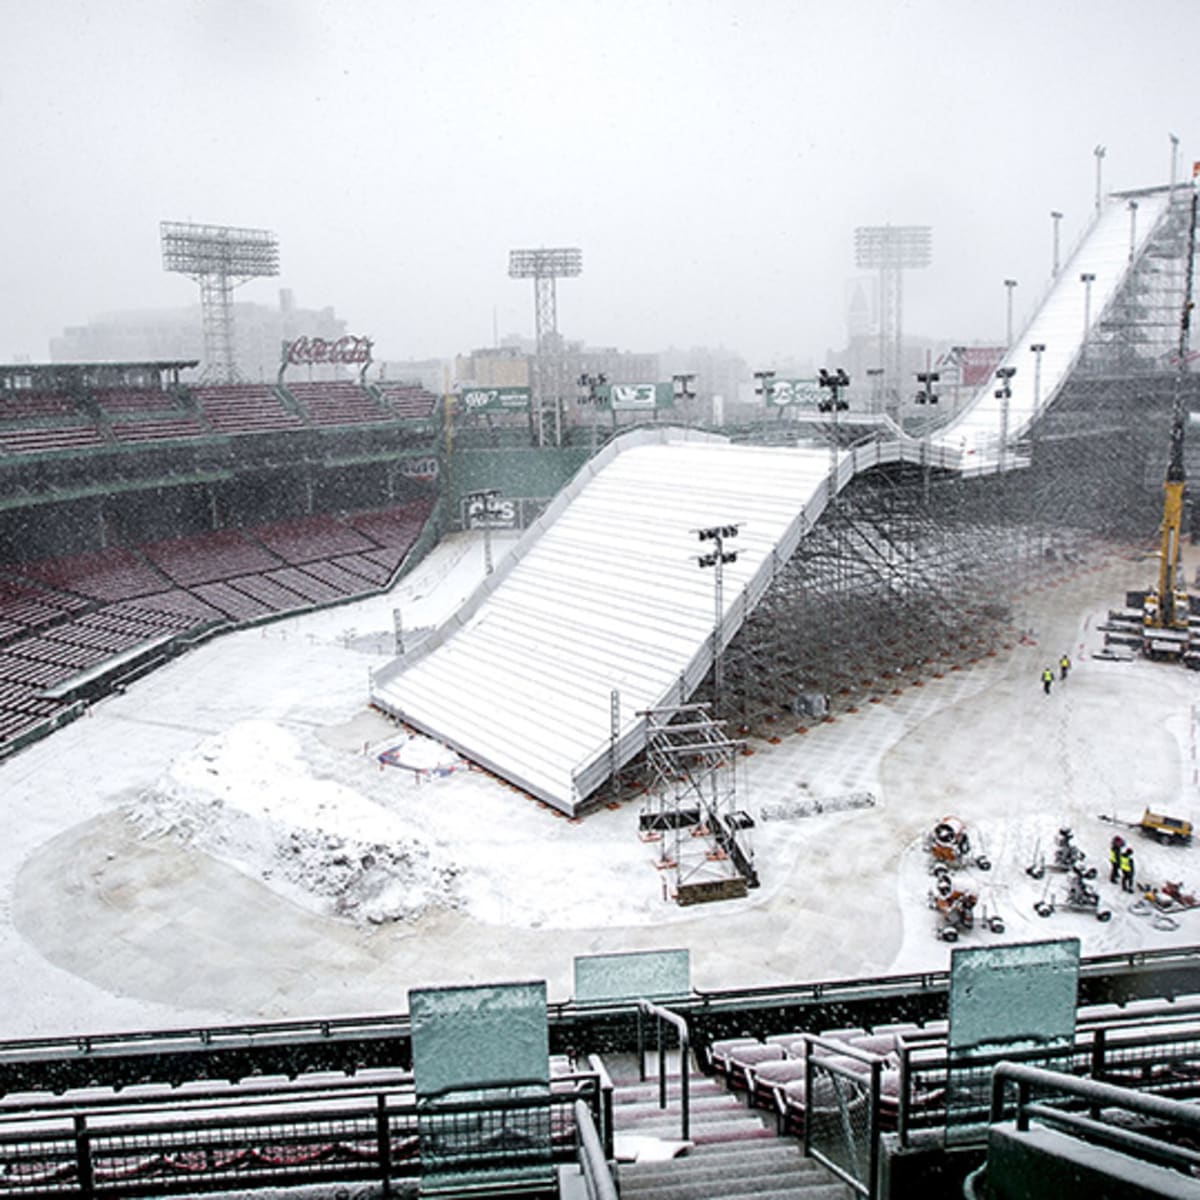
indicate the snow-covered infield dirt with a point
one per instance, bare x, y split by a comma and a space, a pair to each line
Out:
374, 860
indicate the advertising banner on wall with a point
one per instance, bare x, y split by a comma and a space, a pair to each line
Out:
630, 397
785, 392
495, 400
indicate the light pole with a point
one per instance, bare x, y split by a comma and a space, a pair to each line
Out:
1056, 217
1174, 162
1037, 350
589, 394
684, 392
1009, 284
1003, 394
875, 375
485, 500
1099, 152
834, 404
765, 386
1133, 207
1087, 278
717, 558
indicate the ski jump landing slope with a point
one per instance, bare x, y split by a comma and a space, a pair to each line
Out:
604, 594
602, 610
1058, 323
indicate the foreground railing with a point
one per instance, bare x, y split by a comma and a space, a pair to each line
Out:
841, 1111
663, 1017
1056, 1101
170, 1146
1156, 1054
359, 1043
593, 1162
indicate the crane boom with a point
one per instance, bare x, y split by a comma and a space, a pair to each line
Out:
1172, 608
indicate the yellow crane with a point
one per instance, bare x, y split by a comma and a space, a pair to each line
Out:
1166, 611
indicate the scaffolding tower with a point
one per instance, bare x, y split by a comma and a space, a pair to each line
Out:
691, 810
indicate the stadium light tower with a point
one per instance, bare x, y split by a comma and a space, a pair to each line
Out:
892, 249
1056, 217
545, 268
219, 258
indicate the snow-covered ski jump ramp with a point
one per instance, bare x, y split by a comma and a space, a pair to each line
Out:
601, 611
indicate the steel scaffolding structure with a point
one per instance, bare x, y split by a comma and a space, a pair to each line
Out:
691, 810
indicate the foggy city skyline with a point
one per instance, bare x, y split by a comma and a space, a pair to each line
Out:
711, 160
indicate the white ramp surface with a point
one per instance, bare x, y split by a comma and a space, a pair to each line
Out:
1069, 311
604, 594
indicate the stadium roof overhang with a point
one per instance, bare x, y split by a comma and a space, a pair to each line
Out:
79, 374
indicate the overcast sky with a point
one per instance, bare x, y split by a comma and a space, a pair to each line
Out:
711, 158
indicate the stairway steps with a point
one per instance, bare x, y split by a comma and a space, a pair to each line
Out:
733, 1159
735, 1153
728, 1189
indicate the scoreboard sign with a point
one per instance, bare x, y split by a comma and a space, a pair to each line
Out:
785, 392
508, 399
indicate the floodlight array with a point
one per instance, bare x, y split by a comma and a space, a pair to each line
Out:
220, 250
893, 246
545, 264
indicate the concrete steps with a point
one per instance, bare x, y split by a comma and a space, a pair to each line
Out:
733, 1153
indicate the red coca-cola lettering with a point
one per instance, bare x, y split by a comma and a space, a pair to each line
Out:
349, 349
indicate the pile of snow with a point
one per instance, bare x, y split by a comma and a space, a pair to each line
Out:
248, 798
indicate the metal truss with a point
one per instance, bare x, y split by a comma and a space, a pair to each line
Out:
691, 809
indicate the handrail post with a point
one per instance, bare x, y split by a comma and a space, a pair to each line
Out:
905, 1082
83, 1157
384, 1140
997, 1112
684, 1086
641, 1046
808, 1097
1023, 1090
873, 1133
662, 1062
1099, 1047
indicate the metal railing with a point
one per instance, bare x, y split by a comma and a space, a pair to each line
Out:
593, 1162
1150, 1053
1061, 1098
841, 1111
663, 1017
358, 1043
169, 1145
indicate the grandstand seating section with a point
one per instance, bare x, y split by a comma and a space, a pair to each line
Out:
410, 401
245, 408
65, 616
33, 422
338, 403
120, 401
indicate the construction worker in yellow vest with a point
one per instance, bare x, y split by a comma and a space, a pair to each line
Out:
1114, 858
1047, 680
1127, 868
1064, 665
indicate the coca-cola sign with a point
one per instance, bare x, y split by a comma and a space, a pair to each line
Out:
348, 349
